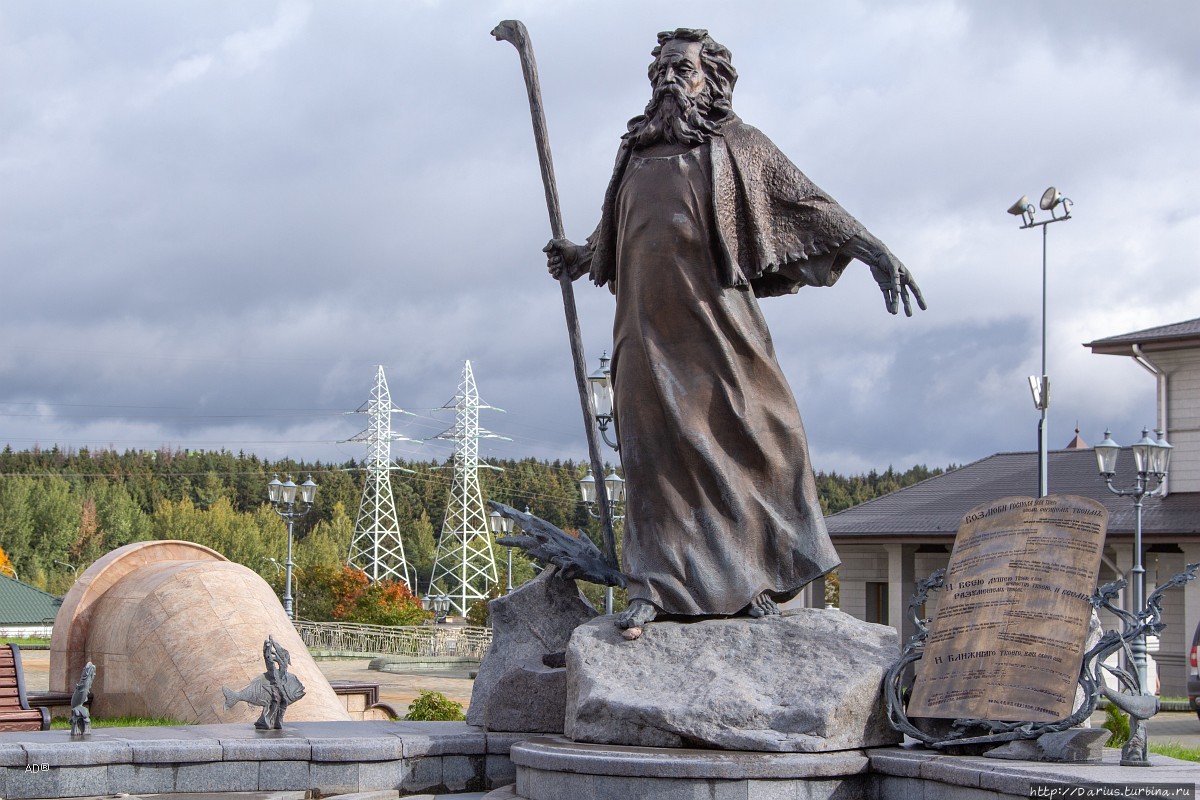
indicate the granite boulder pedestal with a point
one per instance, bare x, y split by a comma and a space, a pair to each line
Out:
808, 681
784, 706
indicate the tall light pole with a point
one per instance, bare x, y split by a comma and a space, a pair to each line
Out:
1151, 459
283, 502
601, 394
1052, 200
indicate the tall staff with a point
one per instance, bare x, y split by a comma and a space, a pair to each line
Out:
513, 31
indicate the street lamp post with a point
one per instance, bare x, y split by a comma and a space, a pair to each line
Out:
1151, 460
501, 525
283, 501
1052, 200
600, 389
615, 496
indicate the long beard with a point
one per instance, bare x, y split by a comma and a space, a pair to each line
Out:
674, 117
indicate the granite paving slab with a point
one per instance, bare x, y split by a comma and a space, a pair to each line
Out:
1016, 777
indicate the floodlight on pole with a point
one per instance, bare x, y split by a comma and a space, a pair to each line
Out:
1059, 207
1023, 209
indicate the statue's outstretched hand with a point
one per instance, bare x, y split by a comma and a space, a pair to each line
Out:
895, 281
563, 254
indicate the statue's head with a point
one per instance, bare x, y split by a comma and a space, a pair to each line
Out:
693, 79
713, 57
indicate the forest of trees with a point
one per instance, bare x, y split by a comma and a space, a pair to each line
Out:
61, 510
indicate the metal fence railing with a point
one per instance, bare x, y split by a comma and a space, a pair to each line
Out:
436, 641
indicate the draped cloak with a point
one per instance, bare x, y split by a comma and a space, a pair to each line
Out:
721, 503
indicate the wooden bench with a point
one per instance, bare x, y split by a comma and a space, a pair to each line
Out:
15, 713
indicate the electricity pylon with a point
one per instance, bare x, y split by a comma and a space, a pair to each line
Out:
376, 548
465, 563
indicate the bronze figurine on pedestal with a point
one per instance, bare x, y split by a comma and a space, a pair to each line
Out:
272, 691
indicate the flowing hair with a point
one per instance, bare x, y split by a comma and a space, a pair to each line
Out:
719, 74
671, 115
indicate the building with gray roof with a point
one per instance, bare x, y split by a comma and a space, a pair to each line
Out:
888, 543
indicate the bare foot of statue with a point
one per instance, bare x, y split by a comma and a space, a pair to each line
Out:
635, 617
638, 614
763, 606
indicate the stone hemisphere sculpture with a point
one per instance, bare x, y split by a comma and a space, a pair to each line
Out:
168, 624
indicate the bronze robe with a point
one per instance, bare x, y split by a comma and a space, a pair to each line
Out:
721, 500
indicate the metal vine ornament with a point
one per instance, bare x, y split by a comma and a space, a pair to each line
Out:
1130, 697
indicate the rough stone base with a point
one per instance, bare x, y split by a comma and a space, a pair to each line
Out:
1077, 745
538, 699
514, 691
805, 682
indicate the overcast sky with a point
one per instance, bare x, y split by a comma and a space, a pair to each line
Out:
216, 218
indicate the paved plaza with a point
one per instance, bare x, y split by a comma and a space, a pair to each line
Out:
400, 689
396, 689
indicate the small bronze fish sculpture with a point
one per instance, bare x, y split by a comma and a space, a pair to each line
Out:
273, 691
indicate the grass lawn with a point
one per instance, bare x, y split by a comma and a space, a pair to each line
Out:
1175, 750
62, 723
26, 640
